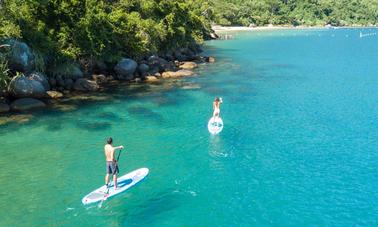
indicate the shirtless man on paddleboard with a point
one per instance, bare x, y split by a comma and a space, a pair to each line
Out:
111, 162
216, 107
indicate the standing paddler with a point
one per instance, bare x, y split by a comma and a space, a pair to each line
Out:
111, 162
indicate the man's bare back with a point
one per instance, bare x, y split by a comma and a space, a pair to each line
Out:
109, 152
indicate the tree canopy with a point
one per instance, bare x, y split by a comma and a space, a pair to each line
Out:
295, 12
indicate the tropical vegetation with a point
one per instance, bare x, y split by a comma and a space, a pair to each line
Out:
87, 30
296, 12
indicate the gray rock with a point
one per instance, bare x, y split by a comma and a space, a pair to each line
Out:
85, 85
181, 57
52, 82
26, 104
21, 86
100, 67
67, 70
21, 57
156, 62
4, 107
68, 84
100, 79
125, 68
38, 76
143, 68
60, 81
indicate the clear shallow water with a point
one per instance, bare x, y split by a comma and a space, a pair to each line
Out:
299, 146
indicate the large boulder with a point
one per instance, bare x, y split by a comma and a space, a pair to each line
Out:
85, 85
20, 57
160, 64
143, 69
26, 104
4, 107
125, 68
68, 84
40, 77
179, 73
21, 86
180, 56
67, 70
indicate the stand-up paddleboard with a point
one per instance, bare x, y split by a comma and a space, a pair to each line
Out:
215, 125
123, 183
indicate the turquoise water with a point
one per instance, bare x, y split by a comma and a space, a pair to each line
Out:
299, 146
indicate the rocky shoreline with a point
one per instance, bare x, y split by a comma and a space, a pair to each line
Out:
33, 88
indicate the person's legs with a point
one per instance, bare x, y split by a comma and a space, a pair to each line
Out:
107, 179
115, 181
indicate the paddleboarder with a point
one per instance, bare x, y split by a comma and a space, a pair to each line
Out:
111, 162
216, 106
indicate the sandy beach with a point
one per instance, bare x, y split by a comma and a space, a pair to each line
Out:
218, 28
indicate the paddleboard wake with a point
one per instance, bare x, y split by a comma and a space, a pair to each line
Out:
215, 125
123, 183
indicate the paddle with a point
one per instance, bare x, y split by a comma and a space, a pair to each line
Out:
108, 187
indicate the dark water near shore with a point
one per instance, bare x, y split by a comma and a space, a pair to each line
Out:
299, 146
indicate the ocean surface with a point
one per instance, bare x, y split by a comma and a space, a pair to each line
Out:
299, 145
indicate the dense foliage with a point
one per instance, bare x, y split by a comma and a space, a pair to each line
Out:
107, 29
102, 29
296, 12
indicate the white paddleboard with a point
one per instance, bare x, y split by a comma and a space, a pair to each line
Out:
123, 183
215, 125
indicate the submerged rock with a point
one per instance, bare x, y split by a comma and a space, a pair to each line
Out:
85, 85
21, 86
19, 118
26, 104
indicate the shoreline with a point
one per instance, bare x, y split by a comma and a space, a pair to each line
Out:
220, 29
